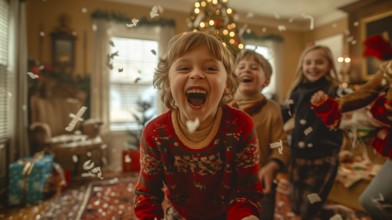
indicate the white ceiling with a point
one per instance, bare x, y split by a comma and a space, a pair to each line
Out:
321, 11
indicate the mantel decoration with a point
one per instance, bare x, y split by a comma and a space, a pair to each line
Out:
216, 17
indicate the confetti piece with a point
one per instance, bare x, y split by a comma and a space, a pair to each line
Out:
278, 145
310, 145
308, 130
153, 52
192, 125
288, 102
128, 159
113, 55
356, 23
336, 217
84, 10
264, 29
313, 198
111, 43
75, 158
120, 70
311, 19
32, 75
88, 165
137, 79
301, 144
155, 11
302, 121
281, 28
134, 22
98, 171
75, 118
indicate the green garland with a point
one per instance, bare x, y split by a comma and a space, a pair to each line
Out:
254, 36
122, 18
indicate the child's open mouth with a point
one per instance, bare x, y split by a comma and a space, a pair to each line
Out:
246, 79
196, 97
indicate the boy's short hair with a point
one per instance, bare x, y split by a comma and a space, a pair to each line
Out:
182, 44
258, 58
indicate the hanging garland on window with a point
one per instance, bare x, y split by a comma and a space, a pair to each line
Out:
122, 18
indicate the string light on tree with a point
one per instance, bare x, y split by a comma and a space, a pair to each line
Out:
215, 17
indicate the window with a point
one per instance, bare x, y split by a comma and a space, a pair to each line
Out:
5, 77
270, 90
131, 81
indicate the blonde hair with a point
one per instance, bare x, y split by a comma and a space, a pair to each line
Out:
258, 58
331, 76
184, 43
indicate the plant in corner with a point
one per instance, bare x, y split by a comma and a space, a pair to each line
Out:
130, 155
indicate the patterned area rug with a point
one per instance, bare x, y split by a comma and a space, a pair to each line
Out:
105, 199
112, 199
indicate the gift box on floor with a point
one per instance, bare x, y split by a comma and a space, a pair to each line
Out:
130, 160
27, 179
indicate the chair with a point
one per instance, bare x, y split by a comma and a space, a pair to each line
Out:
49, 118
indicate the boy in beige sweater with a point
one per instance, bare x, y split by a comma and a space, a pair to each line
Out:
254, 73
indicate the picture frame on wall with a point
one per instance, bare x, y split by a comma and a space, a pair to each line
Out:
375, 25
63, 45
63, 50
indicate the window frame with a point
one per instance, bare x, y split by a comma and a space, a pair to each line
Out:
137, 35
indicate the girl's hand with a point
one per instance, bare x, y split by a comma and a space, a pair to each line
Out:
267, 175
319, 98
251, 217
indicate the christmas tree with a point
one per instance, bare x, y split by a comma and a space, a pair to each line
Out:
215, 17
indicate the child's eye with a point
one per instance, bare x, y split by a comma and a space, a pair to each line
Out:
211, 68
183, 69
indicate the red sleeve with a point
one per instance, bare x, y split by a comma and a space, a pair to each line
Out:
249, 190
329, 112
381, 110
148, 190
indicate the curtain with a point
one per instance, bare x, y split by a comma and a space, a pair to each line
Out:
18, 68
100, 75
278, 53
103, 31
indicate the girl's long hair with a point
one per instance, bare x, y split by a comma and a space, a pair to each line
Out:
331, 76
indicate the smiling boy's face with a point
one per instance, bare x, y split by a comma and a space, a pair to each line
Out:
252, 77
197, 83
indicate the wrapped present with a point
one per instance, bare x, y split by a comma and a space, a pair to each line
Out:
27, 179
130, 160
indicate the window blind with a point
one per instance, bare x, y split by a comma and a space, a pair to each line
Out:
134, 63
5, 85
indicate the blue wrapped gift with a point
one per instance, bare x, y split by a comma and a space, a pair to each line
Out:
27, 179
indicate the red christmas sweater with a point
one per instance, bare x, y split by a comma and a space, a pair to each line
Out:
217, 180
